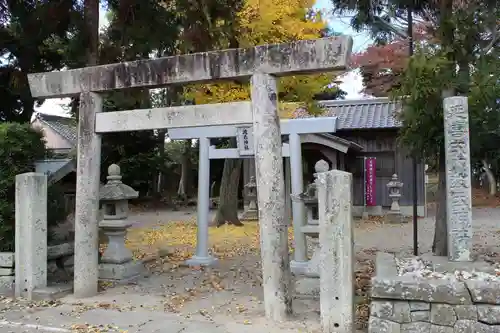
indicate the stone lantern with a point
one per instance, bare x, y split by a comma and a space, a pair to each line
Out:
252, 212
311, 229
117, 264
394, 187
309, 283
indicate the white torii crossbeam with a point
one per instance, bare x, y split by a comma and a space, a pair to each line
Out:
261, 64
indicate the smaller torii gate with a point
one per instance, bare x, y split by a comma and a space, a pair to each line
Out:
244, 134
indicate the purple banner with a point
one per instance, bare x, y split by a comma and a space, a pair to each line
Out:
370, 181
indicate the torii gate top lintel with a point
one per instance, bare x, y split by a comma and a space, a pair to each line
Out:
300, 57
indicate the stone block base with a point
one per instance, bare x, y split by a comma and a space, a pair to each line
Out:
7, 259
120, 273
201, 261
7, 285
7, 277
250, 215
414, 303
53, 292
395, 218
299, 267
357, 211
307, 287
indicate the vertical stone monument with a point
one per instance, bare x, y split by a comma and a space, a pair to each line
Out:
117, 264
336, 239
458, 178
31, 234
394, 187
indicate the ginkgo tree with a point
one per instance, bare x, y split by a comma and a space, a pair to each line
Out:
257, 23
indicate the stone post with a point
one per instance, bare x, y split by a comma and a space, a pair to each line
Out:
458, 178
117, 264
336, 251
271, 198
201, 257
31, 234
394, 187
288, 188
299, 263
87, 197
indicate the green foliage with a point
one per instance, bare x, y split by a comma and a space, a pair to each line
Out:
20, 146
135, 152
174, 151
31, 35
420, 93
428, 74
484, 111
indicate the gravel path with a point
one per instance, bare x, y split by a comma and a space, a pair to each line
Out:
399, 238
370, 235
229, 296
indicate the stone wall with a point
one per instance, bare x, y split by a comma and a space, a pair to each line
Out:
432, 304
60, 262
6, 271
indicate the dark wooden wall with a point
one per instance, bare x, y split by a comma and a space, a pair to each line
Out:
391, 159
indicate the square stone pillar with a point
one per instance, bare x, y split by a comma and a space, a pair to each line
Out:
31, 233
458, 178
334, 189
87, 197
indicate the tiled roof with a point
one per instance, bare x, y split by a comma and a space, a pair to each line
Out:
65, 127
351, 115
364, 114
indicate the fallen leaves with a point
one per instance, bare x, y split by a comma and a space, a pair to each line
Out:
362, 286
87, 328
481, 198
8, 304
176, 241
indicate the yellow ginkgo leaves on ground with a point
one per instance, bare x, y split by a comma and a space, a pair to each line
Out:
178, 239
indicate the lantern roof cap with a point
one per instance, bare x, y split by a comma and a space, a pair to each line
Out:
251, 183
114, 189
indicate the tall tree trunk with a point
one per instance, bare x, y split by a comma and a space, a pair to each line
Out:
492, 182
184, 182
227, 212
158, 179
440, 243
91, 32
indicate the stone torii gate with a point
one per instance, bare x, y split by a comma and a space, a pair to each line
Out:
262, 64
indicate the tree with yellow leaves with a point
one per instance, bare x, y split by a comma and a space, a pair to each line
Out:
270, 22
263, 22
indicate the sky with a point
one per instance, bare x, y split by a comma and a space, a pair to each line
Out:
351, 82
